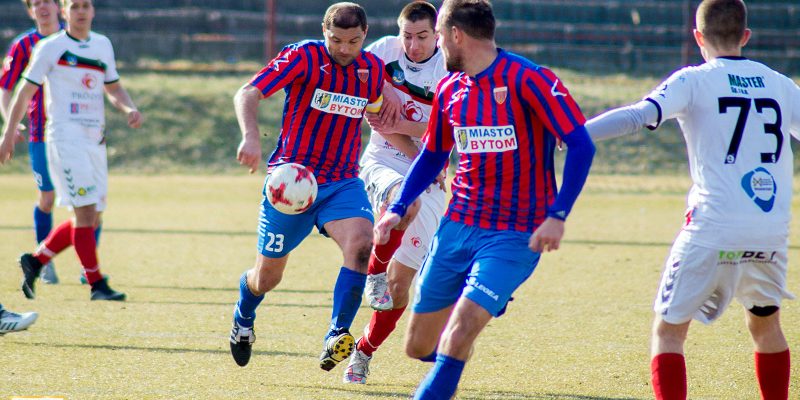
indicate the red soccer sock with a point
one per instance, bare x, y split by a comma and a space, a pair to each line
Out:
58, 240
772, 371
668, 371
86, 247
380, 327
382, 253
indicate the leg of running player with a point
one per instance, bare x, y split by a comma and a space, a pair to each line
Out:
772, 360
667, 364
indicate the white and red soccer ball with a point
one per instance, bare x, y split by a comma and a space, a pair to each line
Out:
291, 188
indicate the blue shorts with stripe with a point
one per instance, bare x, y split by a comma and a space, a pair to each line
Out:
279, 234
37, 153
483, 265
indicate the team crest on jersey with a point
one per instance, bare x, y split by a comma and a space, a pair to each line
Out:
89, 81
72, 60
337, 103
363, 74
760, 186
500, 94
486, 139
398, 77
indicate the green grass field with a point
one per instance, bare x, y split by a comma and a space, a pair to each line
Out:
579, 329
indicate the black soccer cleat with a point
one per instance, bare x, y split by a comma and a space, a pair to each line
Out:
30, 271
101, 291
242, 340
338, 346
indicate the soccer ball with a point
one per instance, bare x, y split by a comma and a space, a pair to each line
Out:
291, 188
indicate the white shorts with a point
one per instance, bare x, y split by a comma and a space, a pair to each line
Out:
699, 282
416, 241
79, 171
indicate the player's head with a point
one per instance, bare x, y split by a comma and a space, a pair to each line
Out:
462, 23
417, 22
78, 14
722, 26
42, 11
344, 28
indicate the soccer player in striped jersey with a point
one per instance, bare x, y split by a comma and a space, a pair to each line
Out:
75, 67
414, 65
329, 85
45, 15
504, 114
738, 117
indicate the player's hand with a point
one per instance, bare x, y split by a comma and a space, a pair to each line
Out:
441, 179
6, 147
548, 236
391, 110
19, 136
376, 123
249, 154
381, 232
560, 144
135, 119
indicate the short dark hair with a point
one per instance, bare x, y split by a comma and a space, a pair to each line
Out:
345, 15
474, 17
722, 22
417, 11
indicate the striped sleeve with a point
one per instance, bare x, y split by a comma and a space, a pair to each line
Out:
291, 63
13, 65
439, 134
551, 101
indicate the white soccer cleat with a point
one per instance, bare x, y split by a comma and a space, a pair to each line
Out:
13, 322
377, 292
48, 274
358, 368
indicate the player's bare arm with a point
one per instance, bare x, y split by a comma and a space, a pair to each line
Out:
122, 101
19, 104
245, 104
390, 112
5, 109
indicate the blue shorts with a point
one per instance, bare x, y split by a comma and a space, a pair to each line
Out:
37, 154
279, 233
483, 265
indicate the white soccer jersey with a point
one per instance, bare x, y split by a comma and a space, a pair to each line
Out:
414, 83
736, 116
73, 73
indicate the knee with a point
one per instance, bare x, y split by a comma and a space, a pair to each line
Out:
265, 280
416, 348
668, 333
399, 292
361, 248
46, 201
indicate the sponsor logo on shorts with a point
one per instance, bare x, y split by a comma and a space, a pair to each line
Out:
416, 241
337, 103
472, 281
486, 139
746, 256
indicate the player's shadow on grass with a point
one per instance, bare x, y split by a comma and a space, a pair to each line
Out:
407, 392
225, 289
158, 349
225, 303
503, 394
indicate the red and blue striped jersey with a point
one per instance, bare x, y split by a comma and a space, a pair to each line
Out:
504, 123
15, 63
324, 106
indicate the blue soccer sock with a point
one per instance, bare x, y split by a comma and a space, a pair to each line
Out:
442, 380
97, 234
430, 357
245, 312
42, 223
346, 298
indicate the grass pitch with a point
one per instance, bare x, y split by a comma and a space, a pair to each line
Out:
578, 329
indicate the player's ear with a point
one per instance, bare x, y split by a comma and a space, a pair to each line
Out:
745, 37
699, 38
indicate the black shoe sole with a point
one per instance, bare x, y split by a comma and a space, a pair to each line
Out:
241, 353
120, 297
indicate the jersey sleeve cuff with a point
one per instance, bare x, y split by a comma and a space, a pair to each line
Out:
33, 82
110, 82
658, 120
